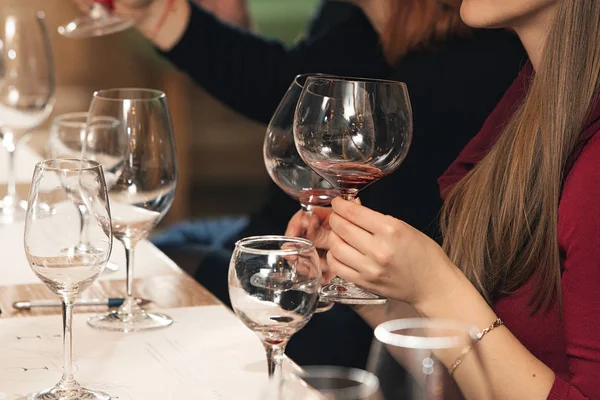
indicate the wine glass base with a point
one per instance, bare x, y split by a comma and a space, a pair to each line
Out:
340, 291
119, 321
73, 393
86, 27
10, 213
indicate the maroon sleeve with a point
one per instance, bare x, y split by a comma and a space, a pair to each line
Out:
579, 240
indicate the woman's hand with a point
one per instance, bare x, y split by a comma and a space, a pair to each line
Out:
314, 226
385, 255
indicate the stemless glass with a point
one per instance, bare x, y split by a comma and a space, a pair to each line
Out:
68, 138
140, 162
352, 132
411, 358
26, 89
52, 246
99, 21
285, 166
274, 286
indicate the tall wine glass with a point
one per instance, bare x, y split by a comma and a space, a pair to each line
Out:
141, 167
412, 356
26, 89
68, 138
52, 246
285, 166
274, 286
352, 132
99, 21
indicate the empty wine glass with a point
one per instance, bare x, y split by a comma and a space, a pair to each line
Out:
285, 166
52, 246
26, 89
99, 21
274, 286
67, 139
352, 132
140, 162
412, 357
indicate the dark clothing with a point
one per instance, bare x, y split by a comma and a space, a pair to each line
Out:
453, 86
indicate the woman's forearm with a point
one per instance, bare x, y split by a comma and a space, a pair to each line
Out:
513, 372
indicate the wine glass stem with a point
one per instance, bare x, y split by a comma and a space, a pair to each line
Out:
83, 239
129, 302
275, 359
350, 196
67, 311
11, 178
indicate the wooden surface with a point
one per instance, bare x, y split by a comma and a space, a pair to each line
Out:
169, 289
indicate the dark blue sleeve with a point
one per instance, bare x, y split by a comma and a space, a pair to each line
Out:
250, 73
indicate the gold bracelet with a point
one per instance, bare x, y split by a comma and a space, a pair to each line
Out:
476, 339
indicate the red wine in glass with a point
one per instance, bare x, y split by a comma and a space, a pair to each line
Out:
350, 178
99, 21
352, 132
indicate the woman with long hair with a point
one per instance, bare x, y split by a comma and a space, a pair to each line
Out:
455, 75
521, 220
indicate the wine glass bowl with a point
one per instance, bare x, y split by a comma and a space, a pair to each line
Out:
352, 132
274, 284
284, 165
26, 90
99, 21
52, 246
140, 161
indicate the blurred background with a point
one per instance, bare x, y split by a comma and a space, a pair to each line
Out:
220, 152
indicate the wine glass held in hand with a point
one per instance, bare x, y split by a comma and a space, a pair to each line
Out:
274, 284
68, 138
285, 166
52, 246
26, 90
140, 163
352, 132
99, 21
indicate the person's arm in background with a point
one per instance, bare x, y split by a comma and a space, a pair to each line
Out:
247, 72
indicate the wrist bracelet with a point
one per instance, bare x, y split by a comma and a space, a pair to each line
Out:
163, 17
476, 339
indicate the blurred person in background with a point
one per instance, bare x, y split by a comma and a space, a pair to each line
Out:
455, 77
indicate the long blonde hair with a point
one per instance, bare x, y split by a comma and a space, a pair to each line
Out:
500, 221
417, 23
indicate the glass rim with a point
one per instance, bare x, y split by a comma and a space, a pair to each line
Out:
385, 333
368, 381
242, 244
64, 119
311, 74
103, 94
90, 165
352, 79
349, 80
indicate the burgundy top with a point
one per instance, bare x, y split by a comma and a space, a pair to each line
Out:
571, 347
